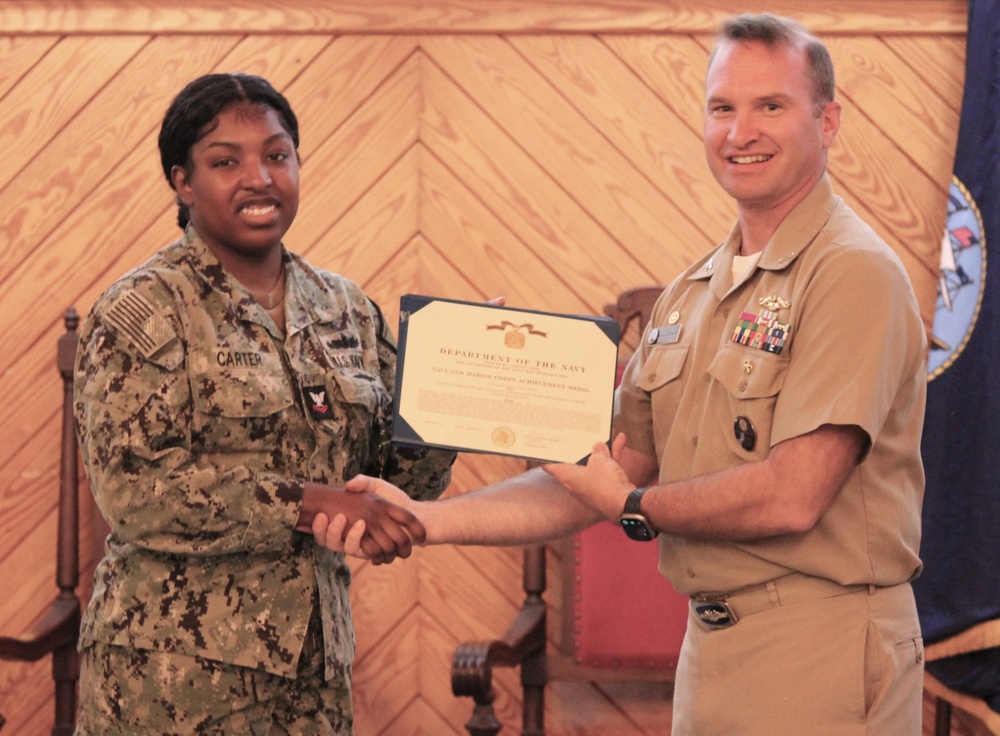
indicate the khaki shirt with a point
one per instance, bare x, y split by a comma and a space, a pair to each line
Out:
199, 422
824, 330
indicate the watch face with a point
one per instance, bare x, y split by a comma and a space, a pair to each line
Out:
637, 528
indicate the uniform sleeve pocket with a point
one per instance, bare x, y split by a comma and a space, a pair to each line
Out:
663, 365
361, 389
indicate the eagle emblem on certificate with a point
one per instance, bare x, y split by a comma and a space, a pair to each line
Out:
514, 335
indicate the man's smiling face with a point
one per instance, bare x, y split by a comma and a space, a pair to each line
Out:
765, 134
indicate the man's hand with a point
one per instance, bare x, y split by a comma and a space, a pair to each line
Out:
388, 492
601, 483
380, 531
382, 488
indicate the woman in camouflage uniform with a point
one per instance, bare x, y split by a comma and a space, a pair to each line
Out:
224, 389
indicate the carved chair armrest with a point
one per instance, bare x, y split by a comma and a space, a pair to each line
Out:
57, 626
472, 663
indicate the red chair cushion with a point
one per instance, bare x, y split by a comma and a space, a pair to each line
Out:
625, 613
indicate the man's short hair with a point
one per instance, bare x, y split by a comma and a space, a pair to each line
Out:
772, 30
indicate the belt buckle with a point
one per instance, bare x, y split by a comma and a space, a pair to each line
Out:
714, 614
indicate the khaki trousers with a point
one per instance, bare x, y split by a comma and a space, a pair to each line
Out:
838, 665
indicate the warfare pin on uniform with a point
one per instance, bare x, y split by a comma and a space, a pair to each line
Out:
774, 302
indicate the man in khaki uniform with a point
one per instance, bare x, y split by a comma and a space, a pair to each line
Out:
770, 428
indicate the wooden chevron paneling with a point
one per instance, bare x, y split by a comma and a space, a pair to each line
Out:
545, 151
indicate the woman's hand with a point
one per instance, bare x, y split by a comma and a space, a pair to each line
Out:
329, 532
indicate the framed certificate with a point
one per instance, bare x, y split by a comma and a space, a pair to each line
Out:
479, 378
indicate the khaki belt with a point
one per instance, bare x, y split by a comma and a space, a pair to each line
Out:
722, 610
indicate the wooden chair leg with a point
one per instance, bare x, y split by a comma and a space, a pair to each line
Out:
522, 645
533, 679
942, 718
484, 720
66, 674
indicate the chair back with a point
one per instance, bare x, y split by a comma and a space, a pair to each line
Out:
68, 539
624, 614
56, 629
625, 621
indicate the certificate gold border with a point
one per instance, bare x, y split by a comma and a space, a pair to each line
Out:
474, 377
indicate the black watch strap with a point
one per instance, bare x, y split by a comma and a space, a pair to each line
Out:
636, 525
634, 499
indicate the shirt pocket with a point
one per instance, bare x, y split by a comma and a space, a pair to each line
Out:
660, 378
663, 365
748, 373
240, 412
752, 380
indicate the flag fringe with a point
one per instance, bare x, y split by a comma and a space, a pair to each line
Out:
981, 636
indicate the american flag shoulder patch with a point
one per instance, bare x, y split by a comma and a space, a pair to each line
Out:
134, 317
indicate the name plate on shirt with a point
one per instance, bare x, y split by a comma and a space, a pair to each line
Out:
473, 377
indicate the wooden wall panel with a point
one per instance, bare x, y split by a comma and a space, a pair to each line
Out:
65, 78
466, 16
519, 191
18, 54
492, 256
546, 151
354, 159
610, 97
567, 150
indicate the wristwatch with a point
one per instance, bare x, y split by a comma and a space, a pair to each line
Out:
633, 521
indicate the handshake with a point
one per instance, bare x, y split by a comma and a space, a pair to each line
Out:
374, 520
368, 518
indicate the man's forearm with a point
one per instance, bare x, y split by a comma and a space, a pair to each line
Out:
528, 509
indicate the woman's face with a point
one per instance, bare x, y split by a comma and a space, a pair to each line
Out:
242, 189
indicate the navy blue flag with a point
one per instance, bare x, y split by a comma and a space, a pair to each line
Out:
958, 594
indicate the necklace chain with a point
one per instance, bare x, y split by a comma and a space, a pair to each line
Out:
268, 300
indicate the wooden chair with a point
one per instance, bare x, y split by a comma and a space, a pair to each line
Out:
57, 628
977, 638
987, 721
582, 656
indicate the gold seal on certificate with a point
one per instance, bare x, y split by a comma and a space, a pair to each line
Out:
479, 378
503, 437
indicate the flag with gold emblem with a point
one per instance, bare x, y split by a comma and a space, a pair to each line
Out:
958, 594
